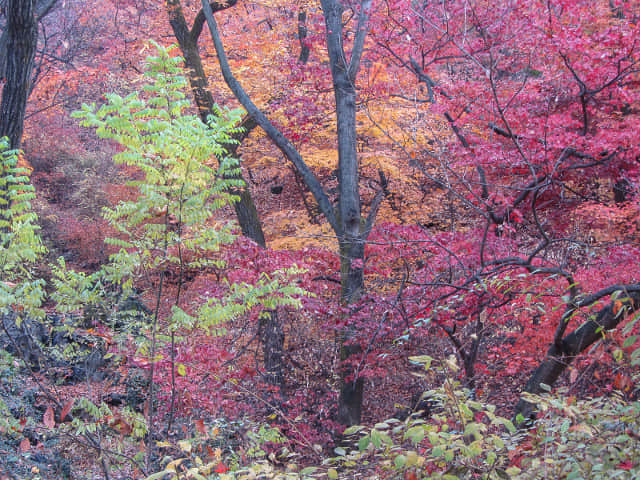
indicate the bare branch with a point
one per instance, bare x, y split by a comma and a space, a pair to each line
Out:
285, 146
358, 44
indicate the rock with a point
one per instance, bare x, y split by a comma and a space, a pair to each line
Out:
137, 384
23, 337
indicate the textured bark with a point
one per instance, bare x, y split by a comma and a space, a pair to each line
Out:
559, 357
42, 7
351, 234
245, 208
302, 36
21, 41
272, 339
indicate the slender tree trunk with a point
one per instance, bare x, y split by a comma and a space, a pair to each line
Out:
271, 332
351, 388
559, 357
21, 41
272, 338
351, 235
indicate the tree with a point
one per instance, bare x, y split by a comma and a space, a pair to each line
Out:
18, 43
188, 41
172, 150
21, 41
346, 219
269, 328
540, 101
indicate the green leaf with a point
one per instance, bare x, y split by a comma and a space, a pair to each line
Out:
422, 360
158, 475
400, 461
376, 438
364, 442
353, 429
415, 434
512, 471
448, 456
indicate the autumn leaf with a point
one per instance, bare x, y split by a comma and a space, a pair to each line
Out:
118, 423
200, 426
626, 465
49, 419
617, 306
25, 445
66, 409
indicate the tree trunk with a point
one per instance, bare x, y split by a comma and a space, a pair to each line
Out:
350, 236
42, 8
352, 284
21, 41
247, 215
270, 328
559, 357
272, 339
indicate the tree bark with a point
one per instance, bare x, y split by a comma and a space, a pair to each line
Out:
351, 234
43, 7
272, 339
21, 42
245, 208
559, 357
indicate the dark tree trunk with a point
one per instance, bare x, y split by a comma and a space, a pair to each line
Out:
559, 357
351, 234
245, 208
21, 41
272, 339
270, 328
247, 215
352, 284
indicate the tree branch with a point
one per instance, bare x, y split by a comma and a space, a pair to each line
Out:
285, 146
198, 22
358, 43
558, 358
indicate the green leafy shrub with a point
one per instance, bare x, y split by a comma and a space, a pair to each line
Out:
464, 439
579, 439
181, 178
21, 290
460, 438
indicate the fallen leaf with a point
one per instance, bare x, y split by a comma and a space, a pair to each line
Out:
25, 445
49, 420
200, 427
66, 409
